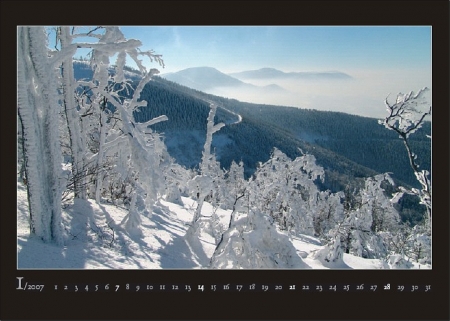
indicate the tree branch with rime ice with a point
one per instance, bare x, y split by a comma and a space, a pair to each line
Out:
406, 116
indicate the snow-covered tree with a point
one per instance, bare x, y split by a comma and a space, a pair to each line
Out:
211, 128
339, 237
205, 184
47, 87
236, 186
233, 191
405, 117
38, 109
176, 178
367, 225
21, 151
329, 211
418, 244
144, 159
72, 111
379, 205
285, 189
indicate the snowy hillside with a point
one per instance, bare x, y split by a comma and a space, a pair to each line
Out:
96, 240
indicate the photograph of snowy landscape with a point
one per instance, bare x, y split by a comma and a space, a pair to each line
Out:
231, 147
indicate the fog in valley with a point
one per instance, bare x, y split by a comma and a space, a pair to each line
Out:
358, 94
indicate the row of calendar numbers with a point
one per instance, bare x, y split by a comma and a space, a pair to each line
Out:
130, 287
239, 288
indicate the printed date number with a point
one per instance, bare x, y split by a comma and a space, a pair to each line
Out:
35, 287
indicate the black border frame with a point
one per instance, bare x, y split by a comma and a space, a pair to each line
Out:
21, 305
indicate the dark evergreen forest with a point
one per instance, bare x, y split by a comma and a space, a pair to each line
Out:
348, 144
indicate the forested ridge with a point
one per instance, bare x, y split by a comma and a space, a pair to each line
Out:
348, 144
360, 139
349, 147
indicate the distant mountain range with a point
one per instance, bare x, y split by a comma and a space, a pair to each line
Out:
264, 86
271, 73
208, 78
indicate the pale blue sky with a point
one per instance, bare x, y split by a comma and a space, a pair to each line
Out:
382, 60
297, 48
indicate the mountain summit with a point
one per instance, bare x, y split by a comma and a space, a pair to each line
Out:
203, 78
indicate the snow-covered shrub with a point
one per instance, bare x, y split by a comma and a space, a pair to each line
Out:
217, 227
285, 190
200, 187
254, 242
368, 222
329, 211
419, 244
173, 194
235, 187
397, 261
333, 252
177, 179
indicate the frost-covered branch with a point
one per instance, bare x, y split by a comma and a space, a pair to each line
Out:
87, 34
405, 117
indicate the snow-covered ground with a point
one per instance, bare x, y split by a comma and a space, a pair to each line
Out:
95, 239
